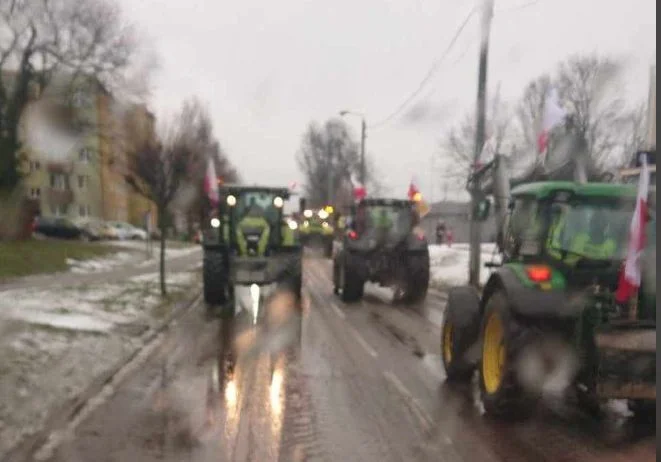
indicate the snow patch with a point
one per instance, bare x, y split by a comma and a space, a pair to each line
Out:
449, 265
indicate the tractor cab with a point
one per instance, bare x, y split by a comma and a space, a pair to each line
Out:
250, 242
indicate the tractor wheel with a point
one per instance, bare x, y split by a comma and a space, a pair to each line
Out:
459, 332
352, 285
502, 342
417, 277
214, 278
643, 410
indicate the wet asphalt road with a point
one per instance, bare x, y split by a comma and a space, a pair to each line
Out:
363, 382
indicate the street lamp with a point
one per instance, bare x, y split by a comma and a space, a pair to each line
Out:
363, 135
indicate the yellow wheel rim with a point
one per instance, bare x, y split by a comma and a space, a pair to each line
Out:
447, 342
493, 354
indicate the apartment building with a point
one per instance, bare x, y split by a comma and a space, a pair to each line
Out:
74, 149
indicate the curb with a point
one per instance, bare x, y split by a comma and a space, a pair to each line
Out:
59, 416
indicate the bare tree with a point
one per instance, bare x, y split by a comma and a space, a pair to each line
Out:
457, 148
529, 112
587, 85
44, 39
196, 121
633, 130
328, 157
160, 168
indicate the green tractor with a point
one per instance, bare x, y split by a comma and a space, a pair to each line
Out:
383, 244
250, 242
549, 302
317, 230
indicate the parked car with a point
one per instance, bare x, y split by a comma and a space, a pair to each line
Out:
127, 231
108, 232
93, 227
59, 227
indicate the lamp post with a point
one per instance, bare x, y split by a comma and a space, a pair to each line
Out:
363, 136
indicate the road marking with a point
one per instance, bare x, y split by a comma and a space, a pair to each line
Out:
338, 311
415, 406
364, 343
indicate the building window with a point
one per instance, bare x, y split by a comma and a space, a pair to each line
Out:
59, 210
35, 193
85, 155
84, 210
83, 181
58, 181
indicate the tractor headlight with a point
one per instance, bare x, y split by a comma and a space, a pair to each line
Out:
278, 202
215, 223
323, 214
292, 225
231, 200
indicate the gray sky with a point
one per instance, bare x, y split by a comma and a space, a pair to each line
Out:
267, 68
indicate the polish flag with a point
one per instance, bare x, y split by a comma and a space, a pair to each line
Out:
211, 184
631, 273
553, 115
413, 190
359, 190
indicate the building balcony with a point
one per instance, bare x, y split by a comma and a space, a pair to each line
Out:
55, 196
65, 167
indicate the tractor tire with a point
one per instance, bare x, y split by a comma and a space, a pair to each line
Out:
644, 411
351, 284
459, 333
503, 340
214, 278
417, 277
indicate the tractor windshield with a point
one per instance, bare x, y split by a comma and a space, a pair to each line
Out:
257, 204
395, 220
589, 229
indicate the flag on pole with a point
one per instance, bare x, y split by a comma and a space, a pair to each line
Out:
413, 191
552, 116
415, 195
488, 151
630, 276
211, 184
359, 190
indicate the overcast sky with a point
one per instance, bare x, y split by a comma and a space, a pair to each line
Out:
267, 68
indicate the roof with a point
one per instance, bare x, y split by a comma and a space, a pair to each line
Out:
238, 189
546, 188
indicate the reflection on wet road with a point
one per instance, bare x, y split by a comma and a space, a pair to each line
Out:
359, 382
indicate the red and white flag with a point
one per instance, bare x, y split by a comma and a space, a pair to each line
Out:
553, 116
631, 273
359, 190
211, 184
413, 190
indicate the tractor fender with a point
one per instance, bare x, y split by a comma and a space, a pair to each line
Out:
528, 301
416, 245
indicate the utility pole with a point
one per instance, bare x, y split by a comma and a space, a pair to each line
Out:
475, 228
363, 135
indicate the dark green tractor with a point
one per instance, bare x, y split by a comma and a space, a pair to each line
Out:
562, 248
384, 245
250, 242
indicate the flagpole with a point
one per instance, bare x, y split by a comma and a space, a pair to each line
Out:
475, 231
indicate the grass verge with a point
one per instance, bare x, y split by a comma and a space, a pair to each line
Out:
23, 258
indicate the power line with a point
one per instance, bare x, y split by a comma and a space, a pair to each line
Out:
431, 72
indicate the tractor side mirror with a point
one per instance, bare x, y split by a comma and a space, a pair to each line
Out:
482, 208
301, 205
